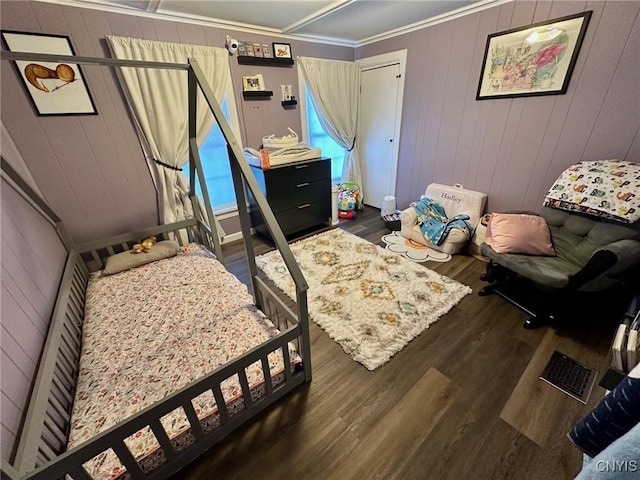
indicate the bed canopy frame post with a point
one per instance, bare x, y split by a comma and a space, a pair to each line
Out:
239, 163
196, 164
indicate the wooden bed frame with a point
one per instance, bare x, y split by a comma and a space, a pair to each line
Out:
41, 452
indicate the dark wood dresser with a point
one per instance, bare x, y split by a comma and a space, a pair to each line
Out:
299, 194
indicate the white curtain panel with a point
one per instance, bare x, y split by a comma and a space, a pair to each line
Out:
334, 87
159, 102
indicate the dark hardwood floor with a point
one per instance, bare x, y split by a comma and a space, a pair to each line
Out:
461, 401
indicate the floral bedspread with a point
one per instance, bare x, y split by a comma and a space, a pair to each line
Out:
152, 330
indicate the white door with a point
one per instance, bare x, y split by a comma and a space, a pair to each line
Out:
378, 121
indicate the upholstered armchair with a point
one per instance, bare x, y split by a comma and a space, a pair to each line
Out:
455, 200
589, 253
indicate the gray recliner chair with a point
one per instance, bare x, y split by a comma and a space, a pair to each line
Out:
592, 255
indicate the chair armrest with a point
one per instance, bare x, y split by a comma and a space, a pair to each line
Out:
613, 259
408, 217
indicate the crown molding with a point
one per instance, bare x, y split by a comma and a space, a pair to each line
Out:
445, 17
160, 14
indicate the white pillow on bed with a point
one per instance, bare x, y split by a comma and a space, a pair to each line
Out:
124, 261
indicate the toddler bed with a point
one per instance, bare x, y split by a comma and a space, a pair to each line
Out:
116, 380
147, 401
165, 360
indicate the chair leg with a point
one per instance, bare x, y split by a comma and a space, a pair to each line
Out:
538, 320
487, 290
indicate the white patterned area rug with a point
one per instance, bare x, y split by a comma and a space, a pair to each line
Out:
411, 250
369, 301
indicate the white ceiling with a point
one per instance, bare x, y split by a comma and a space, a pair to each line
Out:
343, 22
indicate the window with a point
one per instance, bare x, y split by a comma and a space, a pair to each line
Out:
317, 137
215, 164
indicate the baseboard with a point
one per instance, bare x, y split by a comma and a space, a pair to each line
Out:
235, 237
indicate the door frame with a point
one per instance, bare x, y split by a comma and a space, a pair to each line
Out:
377, 61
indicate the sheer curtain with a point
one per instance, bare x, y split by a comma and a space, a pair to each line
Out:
158, 99
334, 87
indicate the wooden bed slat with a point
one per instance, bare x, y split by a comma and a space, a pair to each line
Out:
61, 390
194, 421
63, 373
287, 363
220, 403
72, 346
73, 325
110, 250
54, 429
96, 258
244, 384
79, 473
70, 356
125, 247
58, 407
75, 308
46, 452
266, 372
163, 439
127, 459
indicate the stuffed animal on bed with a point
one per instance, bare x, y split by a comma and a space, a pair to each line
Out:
145, 245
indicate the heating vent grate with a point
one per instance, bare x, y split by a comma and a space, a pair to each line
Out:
569, 376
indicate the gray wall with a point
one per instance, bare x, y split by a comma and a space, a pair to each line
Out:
513, 149
90, 168
32, 261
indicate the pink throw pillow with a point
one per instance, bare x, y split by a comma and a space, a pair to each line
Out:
519, 233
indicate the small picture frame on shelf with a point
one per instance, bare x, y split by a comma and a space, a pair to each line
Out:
282, 50
249, 47
257, 49
253, 83
242, 49
266, 51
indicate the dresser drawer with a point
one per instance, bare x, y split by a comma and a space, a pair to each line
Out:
304, 216
281, 198
292, 175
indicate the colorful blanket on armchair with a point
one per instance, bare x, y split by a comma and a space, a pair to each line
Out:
604, 188
433, 221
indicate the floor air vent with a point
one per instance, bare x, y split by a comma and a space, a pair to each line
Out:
569, 376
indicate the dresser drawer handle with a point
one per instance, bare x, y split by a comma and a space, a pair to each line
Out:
302, 184
301, 166
304, 206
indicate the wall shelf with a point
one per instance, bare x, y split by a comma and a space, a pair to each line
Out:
289, 103
266, 62
257, 94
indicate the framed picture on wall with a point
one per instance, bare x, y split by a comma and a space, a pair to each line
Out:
534, 60
282, 50
54, 88
253, 83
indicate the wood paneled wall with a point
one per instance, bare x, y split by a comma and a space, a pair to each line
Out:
32, 261
513, 149
90, 168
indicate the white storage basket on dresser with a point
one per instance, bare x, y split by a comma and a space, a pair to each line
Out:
273, 142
